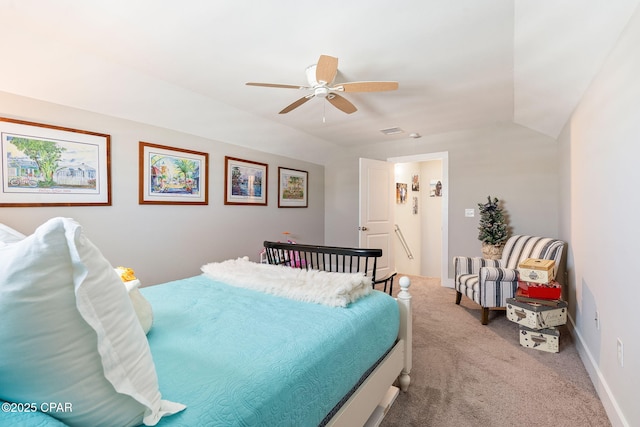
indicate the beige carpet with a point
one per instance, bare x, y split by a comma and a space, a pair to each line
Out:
466, 374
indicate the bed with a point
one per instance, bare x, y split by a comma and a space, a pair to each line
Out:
219, 352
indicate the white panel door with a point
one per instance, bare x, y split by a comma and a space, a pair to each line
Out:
377, 197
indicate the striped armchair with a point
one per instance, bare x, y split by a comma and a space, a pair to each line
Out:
490, 282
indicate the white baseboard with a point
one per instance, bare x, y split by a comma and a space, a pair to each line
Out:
604, 392
447, 283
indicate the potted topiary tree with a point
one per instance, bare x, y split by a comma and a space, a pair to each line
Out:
493, 231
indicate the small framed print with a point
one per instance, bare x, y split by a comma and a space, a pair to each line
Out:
245, 182
435, 188
415, 182
45, 165
401, 193
172, 176
293, 188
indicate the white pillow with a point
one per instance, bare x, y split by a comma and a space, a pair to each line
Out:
9, 235
142, 307
70, 334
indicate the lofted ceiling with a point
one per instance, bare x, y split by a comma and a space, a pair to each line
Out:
460, 64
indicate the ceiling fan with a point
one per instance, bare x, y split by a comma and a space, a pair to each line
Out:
320, 77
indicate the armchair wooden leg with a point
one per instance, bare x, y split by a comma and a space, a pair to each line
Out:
485, 316
458, 297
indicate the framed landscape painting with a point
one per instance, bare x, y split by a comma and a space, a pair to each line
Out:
293, 187
172, 176
46, 165
245, 182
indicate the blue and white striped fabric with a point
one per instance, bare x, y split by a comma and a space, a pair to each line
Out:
491, 282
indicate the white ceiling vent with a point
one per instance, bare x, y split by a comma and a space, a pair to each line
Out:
391, 131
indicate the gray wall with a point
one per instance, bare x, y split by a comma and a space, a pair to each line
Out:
600, 148
162, 243
510, 162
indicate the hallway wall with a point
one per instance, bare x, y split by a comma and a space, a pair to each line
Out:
419, 219
408, 220
431, 218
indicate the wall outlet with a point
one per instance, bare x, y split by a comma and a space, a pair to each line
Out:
620, 353
469, 213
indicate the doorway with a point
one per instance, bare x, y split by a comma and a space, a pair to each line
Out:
423, 217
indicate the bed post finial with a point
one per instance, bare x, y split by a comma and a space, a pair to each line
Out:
405, 282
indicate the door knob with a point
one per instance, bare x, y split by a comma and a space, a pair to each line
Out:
363, 228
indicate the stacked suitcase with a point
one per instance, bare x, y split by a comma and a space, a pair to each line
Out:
537, 307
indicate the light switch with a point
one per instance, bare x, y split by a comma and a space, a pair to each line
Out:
469, 213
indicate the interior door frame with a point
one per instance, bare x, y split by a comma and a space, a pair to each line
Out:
444, 157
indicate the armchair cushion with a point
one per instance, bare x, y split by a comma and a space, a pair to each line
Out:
519, 248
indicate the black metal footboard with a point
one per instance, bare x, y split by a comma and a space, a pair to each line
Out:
329, 258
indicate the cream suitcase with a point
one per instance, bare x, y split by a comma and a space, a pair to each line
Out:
536, 316
541, 339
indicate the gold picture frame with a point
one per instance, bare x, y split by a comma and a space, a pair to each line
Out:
46, 165
245, 182
172, 176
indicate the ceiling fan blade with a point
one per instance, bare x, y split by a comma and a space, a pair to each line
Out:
326, 69
341, 103
366, 86
296, 104
276, 85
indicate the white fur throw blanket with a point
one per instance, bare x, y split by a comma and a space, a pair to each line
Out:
320, 287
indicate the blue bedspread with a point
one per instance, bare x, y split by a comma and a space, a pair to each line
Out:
237, 357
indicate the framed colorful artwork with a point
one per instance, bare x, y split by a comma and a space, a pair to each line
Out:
172, 176
245, 182
46, 165
293, 185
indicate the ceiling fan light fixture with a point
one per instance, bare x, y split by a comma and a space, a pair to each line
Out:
321, 91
